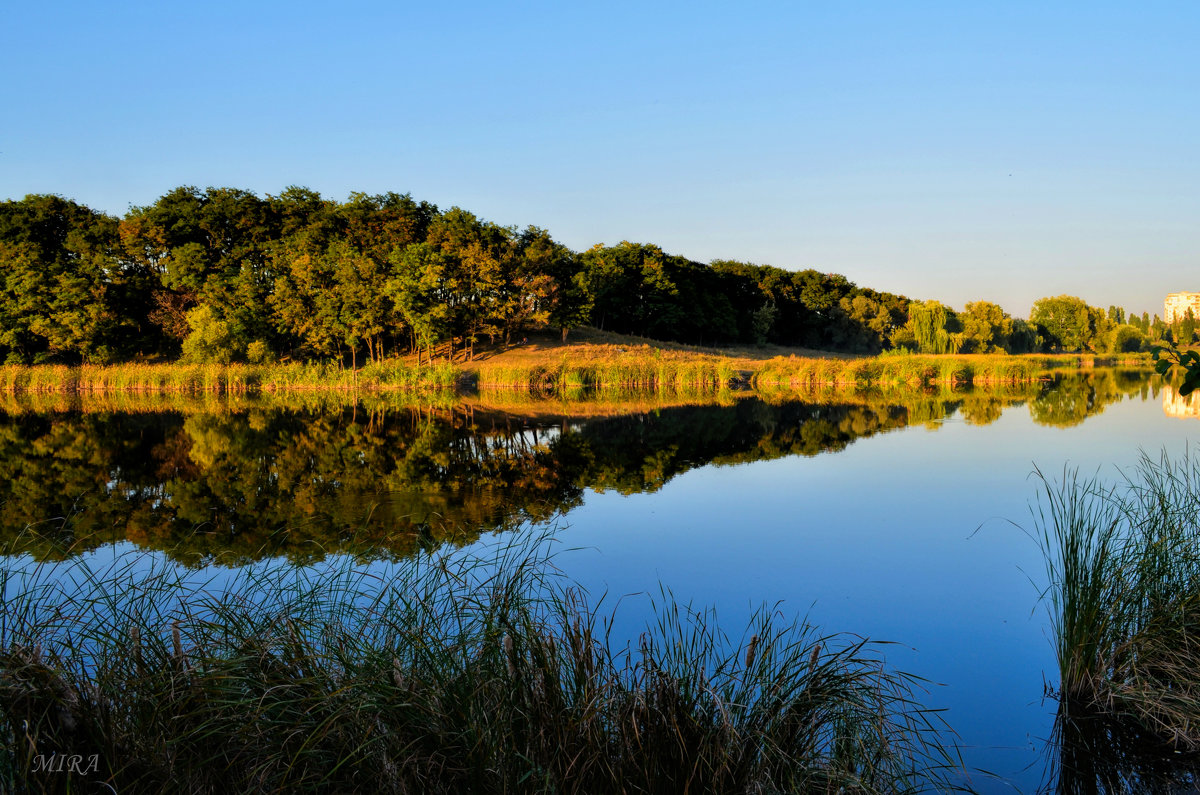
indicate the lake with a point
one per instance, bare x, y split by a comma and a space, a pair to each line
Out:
900, 516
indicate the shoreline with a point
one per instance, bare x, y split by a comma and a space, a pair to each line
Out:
592, 368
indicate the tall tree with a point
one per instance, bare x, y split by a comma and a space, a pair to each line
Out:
416, 286
986, 327
476, 257
1067, 323
1187, 328
63, 293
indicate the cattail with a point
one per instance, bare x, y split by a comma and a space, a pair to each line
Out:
397, 673
177, 640
751, 651
812, 659
135, 637
510, 659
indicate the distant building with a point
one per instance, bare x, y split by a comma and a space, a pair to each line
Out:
1177, 305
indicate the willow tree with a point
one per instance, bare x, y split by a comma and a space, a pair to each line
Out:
929, 322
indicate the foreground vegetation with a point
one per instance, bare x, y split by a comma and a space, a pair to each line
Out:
447, 675
1123, 572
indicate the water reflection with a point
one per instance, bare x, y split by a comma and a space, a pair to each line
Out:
1177, 405
1091, 752
242, 480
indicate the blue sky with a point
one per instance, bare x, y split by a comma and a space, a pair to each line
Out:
956, 151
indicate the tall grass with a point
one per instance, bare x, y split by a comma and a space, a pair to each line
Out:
1123, 590
449, 675
138, 402
654, 371
222, 378
900, 370
918, 370
593, 403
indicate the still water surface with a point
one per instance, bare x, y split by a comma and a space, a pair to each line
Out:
899, 516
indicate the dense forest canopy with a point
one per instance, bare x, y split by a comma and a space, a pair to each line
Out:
222, 275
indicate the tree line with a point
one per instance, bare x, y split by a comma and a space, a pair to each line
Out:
221, 275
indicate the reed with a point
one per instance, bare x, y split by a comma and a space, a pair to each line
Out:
581, 402
653, 371
450, 674
223, 378
896, 370
1123, 592
147, 402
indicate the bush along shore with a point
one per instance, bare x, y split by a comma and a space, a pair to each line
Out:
449, 674
1123, 592
649, 369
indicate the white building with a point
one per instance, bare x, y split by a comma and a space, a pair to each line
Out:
1177, 305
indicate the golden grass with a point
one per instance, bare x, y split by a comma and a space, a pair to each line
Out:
916, 370
607, 367
553, 369
192, 379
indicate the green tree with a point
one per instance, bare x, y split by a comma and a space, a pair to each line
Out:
1168, 358
933, 327
1187, 328
476, 258
1068, 324
211, 339
304, 303
1126, 339
364, 311
986, 328
197, 245
632, 289
759, 310
63, 292
529, 290
416, 286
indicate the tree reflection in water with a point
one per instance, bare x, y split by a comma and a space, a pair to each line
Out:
303, 477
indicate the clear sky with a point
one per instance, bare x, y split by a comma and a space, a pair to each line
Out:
948, 150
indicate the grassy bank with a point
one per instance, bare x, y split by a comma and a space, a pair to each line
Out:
452, 675
642, 370
914, 370
1123, 589
219, 403
222, 378
552, 369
